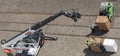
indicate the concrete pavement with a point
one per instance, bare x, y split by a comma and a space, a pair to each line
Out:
85, 7
18, 15
64, 28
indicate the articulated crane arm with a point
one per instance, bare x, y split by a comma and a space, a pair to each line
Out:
74, 15
15, 40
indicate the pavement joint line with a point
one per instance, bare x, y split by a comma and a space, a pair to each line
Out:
16, 22
53, 24
66, 34
10, 30
72, 35
82, 35
69, 35
26, 13
45, 13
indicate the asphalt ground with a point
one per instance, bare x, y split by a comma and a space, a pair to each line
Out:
18, 15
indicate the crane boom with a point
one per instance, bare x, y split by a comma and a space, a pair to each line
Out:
74, 15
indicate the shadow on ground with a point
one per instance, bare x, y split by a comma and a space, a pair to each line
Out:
9, 54
91, 53
97, 32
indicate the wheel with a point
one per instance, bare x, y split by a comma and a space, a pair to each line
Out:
3, 41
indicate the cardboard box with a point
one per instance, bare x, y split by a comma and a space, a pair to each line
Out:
103, 23
95, 48
96, 39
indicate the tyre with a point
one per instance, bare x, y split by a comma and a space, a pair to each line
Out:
3, 41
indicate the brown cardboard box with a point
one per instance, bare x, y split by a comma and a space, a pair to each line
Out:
94, 47
96, 39
103, 23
